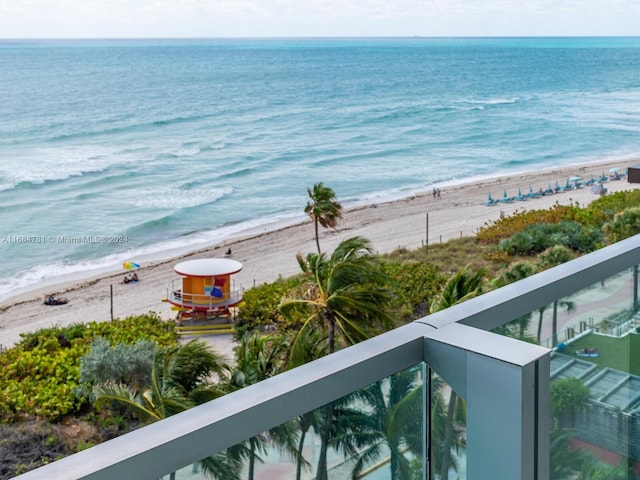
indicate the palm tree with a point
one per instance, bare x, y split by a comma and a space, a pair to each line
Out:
438, 428
259, 357
395, 407
567, 304
462, 286
323, 208
179, 381
345, 427
310, 347
344, 293
565, 461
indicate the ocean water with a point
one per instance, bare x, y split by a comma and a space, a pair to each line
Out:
114, 150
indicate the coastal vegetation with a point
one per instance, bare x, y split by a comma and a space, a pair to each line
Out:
67, 388
345, 293
323, 208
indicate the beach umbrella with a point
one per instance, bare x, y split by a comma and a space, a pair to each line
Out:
130, 266
615, 170
575, 178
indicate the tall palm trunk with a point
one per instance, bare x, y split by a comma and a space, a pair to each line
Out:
448, 436
554, 325
332, 332
252, 458
539, 333
317, 236
394, 462
303, 434
322, 472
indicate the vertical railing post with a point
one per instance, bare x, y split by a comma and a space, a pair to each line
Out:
505, 384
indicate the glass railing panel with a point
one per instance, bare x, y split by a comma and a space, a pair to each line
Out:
595, 377
595, 382
379, 432
608, 307
448, 432
595, 418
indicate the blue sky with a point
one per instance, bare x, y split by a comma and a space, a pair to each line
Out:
273, 18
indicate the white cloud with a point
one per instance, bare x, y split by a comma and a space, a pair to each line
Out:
179, 18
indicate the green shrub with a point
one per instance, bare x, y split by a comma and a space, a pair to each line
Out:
605, 208
623, 225
505, 227
567, 396
537, 238
38, 376
259, 307
122, 363
520, 243
552, 256
413, 285
516, 271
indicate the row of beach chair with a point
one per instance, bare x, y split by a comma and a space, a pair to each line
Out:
573, 183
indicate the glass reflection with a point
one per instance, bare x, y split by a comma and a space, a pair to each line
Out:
594, 335
448, 432
375, 433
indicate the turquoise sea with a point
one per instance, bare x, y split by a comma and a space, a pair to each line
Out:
114, 150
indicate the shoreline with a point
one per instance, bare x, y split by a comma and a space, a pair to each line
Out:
227, 234
270, 253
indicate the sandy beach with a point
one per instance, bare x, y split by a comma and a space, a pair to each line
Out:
459, 211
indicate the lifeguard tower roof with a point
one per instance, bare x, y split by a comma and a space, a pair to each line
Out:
208, 267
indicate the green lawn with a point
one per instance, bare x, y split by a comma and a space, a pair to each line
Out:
618, 353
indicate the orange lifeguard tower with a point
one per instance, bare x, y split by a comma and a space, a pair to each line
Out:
205, 288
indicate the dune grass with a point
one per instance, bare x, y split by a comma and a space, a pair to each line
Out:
453, 255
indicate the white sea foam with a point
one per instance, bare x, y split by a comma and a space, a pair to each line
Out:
178, 170
40, 165
166, 197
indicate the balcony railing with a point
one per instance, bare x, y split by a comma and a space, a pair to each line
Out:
194, 301
505, 383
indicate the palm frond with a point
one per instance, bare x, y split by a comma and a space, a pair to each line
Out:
125, 395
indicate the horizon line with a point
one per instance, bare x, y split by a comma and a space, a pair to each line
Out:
326, 37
